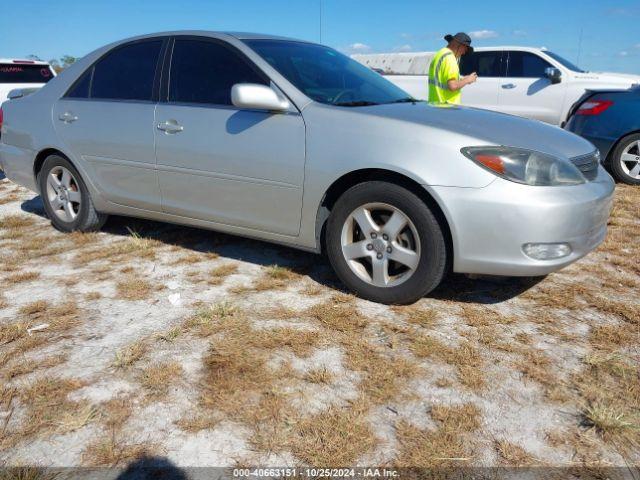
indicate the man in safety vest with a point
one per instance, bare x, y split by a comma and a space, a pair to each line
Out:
445, 84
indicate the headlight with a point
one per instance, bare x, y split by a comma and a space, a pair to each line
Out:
525, 166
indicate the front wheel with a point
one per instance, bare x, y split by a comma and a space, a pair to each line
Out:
66, 198
625, 160
385, 244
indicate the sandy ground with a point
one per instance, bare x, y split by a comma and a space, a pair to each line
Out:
212, 350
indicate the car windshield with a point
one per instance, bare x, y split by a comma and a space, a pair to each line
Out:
326, 75
565, 63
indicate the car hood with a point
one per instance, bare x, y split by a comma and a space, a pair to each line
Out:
475, 126
604, 79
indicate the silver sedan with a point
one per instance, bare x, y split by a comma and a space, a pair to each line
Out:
293, 142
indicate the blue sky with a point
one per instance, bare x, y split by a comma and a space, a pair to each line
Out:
609, 29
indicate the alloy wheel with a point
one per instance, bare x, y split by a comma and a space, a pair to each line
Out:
63, 194
380, 244
630, 160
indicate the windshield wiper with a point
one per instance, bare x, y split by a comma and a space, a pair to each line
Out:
358, 103
406, 100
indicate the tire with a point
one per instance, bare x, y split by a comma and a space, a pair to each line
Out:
360, 259
625, 160
66, 199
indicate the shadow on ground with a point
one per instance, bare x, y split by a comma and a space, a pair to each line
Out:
152, 468
457, 287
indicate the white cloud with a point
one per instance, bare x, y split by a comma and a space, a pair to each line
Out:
519, 33
637, 46
482, 34
623, 53
356, 47
359, 47
403, 48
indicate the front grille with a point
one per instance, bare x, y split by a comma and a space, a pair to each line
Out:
588, 164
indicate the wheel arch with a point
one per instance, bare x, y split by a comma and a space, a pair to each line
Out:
42, 156
348, 180
615, 144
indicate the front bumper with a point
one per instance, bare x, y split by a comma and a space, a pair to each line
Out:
490, 225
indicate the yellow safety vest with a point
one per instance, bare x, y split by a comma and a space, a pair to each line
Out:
443, 68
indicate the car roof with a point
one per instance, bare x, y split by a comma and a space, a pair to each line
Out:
510, 47
213, 33
23, 61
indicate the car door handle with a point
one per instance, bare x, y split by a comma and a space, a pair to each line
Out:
509, 86
68, 117
170, 126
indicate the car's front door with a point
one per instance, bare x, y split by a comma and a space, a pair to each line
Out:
217, 162
488, 65
526, 91
106, 119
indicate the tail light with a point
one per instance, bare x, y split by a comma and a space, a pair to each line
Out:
593, 107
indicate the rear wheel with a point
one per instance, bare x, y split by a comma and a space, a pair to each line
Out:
385, 244
66, 198
625, 160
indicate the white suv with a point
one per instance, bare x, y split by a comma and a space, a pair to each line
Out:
16, 73
525, 81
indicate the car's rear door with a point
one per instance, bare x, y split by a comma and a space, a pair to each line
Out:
527, 92
488, 64
217, 162
106, 119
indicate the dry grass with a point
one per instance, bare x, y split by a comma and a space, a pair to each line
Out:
275, 277
466, 358
339, 436
319, 375
134, 248
16, 221
49, 410
133, 288
218, 274
158, 379
130, 355
23, 366
21, 277
198, 422
92, 296
34, 308
448, 446
113, 451
513, 455
188, 259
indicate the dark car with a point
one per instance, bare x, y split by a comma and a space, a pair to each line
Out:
610, 119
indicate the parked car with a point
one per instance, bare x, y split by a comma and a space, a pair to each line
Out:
610, 119
293, 142
529, 82
27, 74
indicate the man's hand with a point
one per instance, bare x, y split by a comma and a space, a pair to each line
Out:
471, 78
463, 82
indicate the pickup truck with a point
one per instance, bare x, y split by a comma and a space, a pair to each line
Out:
23, 74
526, 81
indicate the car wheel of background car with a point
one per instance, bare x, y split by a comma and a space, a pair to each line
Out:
385, 244
625, 160
66, 198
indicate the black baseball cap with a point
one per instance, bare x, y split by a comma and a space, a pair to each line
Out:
460, 37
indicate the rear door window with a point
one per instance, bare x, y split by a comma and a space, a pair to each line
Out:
127, 73
485, 64
204, 71
526, 65
24, 73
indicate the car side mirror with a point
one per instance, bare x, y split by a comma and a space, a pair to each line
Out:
257, 97
553, 74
